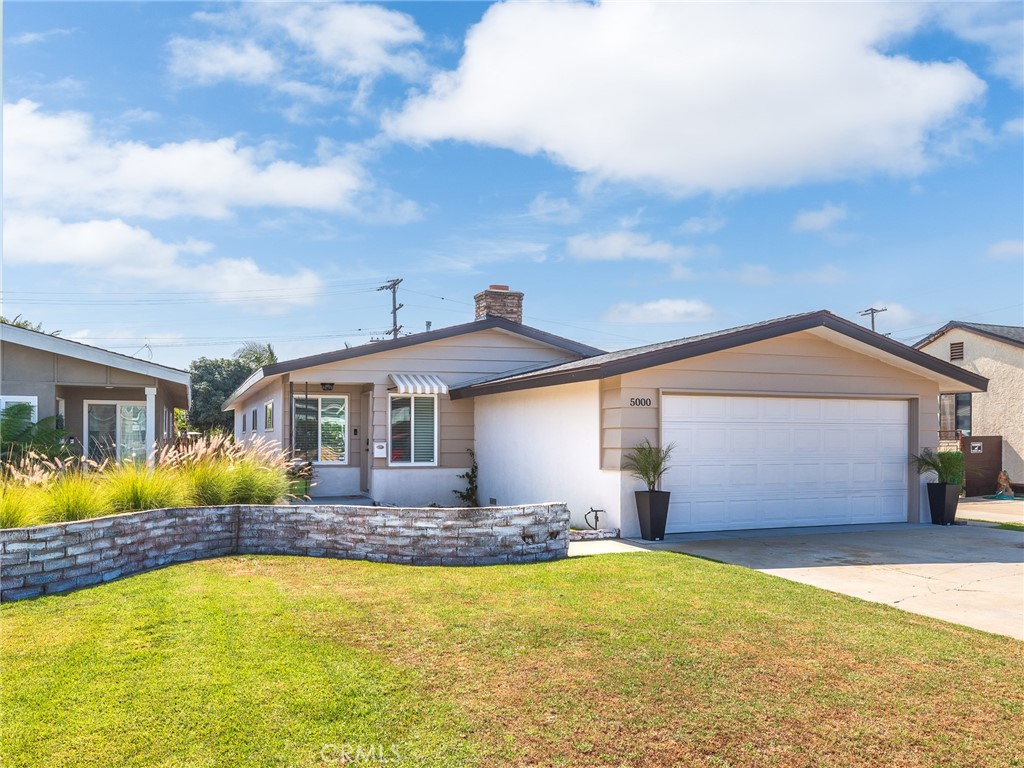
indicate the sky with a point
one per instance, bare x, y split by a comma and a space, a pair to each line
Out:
181, 178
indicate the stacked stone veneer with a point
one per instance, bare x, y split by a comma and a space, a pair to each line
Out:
47, 559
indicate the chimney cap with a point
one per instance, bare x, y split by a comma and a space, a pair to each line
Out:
497, 288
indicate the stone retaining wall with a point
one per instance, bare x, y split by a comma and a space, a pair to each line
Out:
61, 557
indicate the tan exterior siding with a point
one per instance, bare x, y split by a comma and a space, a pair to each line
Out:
1000, 410
454, 360
801, 363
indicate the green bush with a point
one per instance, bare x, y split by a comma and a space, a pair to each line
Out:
948, 466
74, 495
131, 487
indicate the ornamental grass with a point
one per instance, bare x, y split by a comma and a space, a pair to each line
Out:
213, 471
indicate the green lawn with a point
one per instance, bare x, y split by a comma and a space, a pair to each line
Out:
635, 659
1004, 526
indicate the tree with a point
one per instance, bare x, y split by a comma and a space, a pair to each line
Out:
19, 322
255, 354
215, 378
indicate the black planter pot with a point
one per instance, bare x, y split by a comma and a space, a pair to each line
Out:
942, 501
652, 509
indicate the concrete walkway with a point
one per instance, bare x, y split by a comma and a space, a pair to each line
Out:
967, 574
991, 510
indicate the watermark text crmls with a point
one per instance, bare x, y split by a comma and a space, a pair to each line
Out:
354, 754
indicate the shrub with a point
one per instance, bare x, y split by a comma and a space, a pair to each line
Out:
21, 505
209, 483
131, 487
648, 462
74, 495
255, 483
948, 466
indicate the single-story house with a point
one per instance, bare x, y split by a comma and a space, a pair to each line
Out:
116, 406
803, 420
997, 353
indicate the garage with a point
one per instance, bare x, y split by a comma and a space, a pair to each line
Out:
769, 462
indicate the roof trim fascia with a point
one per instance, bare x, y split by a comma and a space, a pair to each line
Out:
685, 350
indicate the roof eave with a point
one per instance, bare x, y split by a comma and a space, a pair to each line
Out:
700, 347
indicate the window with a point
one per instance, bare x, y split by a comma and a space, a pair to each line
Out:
954, 415
115, 431
245, 416
30, 399
254, 420
268, 415
956, 350
413, 429
320, 428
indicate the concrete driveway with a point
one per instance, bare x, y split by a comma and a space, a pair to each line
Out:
968, 574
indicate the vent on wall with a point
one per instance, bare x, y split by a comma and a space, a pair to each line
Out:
956, 350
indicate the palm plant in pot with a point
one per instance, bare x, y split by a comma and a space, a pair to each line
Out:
944, 493
649, 463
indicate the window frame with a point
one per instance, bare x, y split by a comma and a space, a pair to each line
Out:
118, 404
412, 428
245, 420
319, 427
255, 423
268, 416
32, 400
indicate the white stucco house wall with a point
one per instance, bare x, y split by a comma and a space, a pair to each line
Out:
997, 353
803, 420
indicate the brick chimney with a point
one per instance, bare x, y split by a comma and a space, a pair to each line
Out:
499, 301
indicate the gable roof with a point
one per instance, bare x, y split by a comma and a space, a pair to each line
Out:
488, 323
651, 355
1010, 334
43, 341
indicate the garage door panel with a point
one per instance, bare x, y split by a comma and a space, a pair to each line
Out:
774, 439
787, 462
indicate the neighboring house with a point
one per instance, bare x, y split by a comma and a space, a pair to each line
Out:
377, 419
996, 352
804, 420
118, 407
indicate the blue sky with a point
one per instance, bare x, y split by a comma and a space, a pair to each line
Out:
192, 176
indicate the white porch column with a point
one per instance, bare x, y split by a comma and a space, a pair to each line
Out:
150, 423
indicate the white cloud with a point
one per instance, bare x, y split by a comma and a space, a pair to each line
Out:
57, 163
702, 225
1013, 127
30, 38
357, 41
997, 26
623, 244
316, 48
121, 250
212, 61
660, 311
819, 220
1006, 249
557, 210
695, 97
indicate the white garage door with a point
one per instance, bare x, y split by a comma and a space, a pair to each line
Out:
772, 462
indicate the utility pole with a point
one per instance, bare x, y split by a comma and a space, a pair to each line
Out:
872, 311
392, 285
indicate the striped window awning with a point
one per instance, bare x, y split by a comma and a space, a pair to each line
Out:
418, 384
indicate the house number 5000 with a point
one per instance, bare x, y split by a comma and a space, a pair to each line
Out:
640, 402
